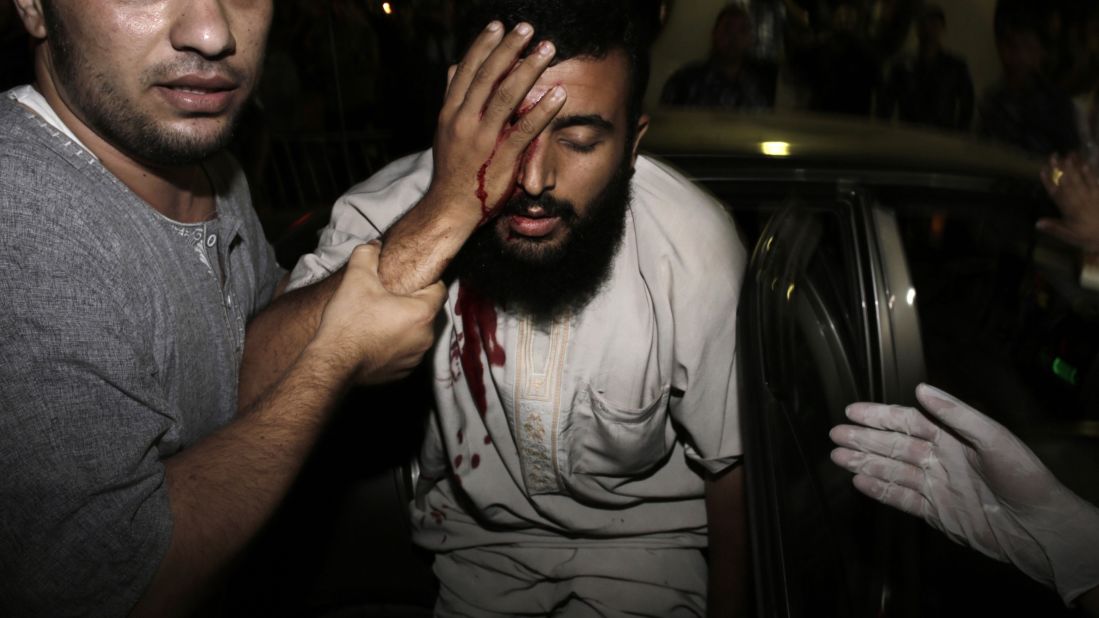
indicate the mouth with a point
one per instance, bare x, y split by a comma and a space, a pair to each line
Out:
199, 94
533, 227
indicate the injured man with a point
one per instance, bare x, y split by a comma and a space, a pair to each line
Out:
584, 454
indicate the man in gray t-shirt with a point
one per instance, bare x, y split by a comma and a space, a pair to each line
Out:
131, 262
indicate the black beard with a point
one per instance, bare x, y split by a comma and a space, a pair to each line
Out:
541, 282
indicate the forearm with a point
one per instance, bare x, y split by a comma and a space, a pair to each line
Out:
224, 488
727, 524
420, 246
278, 335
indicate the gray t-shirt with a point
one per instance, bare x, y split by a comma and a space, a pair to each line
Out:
121, 333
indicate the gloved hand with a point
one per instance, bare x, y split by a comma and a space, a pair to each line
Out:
974, 481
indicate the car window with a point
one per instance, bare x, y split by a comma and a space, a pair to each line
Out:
820, 547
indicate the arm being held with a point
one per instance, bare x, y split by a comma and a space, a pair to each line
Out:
978, 484
475, 159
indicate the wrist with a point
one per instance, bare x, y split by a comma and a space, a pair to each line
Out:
461, 212
1073, 547
327, 362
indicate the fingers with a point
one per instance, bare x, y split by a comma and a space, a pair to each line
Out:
905, 420
481, 48
532, 123
1090, 180
489, 78
433, 295
891, 444
882, 468
1051, 178
364, 259
513, 91
975, 427
1072, 179
1062, 232
896, 496
450, 78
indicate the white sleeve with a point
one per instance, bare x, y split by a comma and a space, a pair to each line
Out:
702, 268
363, 214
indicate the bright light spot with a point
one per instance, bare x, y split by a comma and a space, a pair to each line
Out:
911, 298
789, 292
775, 149
770, 241
388, 8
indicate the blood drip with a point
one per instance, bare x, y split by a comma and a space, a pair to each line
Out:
487, 211
482, 194
479, 326
475, 461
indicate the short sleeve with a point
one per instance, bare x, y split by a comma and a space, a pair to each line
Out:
85, 519
363, 214
706, 408
702, 272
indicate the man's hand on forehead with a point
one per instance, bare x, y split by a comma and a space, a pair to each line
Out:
492, 112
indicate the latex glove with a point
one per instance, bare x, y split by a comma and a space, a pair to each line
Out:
980, 485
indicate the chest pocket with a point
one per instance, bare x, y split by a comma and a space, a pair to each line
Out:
618, 441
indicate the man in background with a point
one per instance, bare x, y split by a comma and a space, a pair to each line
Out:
934, 88
730, 78
1025, 109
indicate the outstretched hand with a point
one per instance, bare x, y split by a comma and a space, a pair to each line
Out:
488, 119
969, 477
1073, 186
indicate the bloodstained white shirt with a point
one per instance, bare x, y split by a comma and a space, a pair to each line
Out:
598, 426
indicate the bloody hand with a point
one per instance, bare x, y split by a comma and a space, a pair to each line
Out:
482, 133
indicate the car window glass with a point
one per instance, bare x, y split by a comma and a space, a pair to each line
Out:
805, 303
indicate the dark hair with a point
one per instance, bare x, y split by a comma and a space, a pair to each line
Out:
730, 10
1019, 17
933, 11
579, 29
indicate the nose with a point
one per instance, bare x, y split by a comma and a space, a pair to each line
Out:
537, 170
202, 26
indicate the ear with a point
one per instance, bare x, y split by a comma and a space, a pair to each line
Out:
30, 11
642, 127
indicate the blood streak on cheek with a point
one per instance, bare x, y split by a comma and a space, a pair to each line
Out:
487, 211
482, 193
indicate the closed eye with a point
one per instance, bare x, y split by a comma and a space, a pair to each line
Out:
579, 147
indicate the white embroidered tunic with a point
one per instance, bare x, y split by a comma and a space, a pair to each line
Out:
598, 426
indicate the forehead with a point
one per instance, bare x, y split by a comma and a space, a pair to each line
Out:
594, 85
